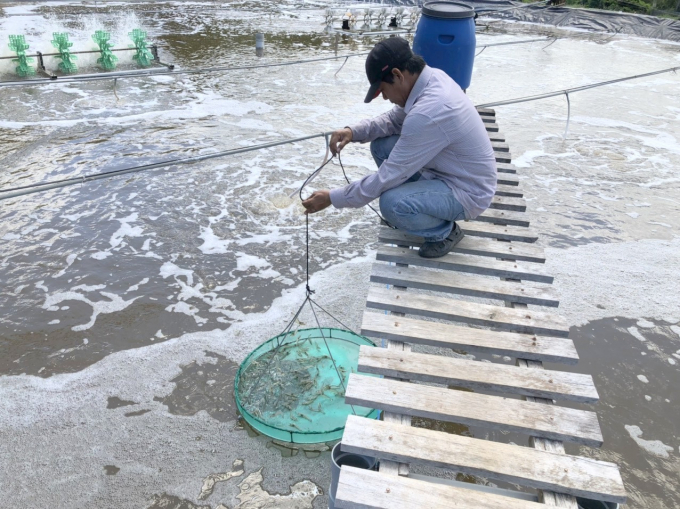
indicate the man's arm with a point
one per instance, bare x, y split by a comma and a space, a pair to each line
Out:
420, 141
387, 124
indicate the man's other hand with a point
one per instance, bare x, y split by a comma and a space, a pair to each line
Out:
339, 139
318, 201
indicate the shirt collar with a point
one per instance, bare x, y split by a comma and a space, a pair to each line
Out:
418, 88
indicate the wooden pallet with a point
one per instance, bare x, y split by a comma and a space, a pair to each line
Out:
430, 302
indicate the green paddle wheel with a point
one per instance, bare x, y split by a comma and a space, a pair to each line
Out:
63, 45
17, 43
107, 60
143, 56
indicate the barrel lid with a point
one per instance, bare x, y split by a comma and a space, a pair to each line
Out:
451, 10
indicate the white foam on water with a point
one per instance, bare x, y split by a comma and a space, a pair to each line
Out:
645, 324
113, 305
636, 333
675, 329
209, 108
134, 288
169, 269
643, 379
187, 309
69, 261
100, 255
655, 447
212, 244
125, 230
617, 277
245, 261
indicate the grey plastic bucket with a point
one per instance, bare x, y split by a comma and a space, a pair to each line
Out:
340, 458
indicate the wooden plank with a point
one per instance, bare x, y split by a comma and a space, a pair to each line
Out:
504, 217
499, 232
503, 157
444, 335
493, 128
446, 308
496, 136
508, 179
478, 375
500, 146
472, 409
471, 245
492, 231
503, 203
584, 477
461, 284
490, 112
549, 498
506, 168
508, 190
366, 489
488, 119
463, 263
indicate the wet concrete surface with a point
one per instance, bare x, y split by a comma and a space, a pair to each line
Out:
207, 387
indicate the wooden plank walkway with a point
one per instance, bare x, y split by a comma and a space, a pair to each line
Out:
436, 303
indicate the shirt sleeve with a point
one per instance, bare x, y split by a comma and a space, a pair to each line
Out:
420, 141
387, 124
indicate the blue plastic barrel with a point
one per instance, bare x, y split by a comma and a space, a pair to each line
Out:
445, 38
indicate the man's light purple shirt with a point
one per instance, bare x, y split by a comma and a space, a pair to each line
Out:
441, 134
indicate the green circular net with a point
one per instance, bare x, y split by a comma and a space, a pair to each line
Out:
289, 388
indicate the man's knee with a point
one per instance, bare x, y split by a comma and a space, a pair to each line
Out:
395, 204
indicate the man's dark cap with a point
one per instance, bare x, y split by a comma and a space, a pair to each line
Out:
385, 56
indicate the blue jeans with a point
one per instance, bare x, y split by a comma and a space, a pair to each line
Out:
426, 208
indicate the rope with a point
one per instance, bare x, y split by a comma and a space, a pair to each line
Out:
308, 289
342, 381
343, 65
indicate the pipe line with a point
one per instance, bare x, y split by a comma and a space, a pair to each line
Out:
70, 53
35, 188
164, 72
135, 74
13, 192
575, 89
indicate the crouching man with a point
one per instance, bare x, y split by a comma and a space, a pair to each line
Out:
435, 162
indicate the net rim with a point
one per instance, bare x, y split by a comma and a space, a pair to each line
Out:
249, 417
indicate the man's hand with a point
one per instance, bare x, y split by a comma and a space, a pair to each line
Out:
339, 139
318, 201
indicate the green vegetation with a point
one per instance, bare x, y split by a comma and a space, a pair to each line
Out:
660, 8
668, 8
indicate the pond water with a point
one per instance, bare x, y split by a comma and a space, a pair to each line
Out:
111, 288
